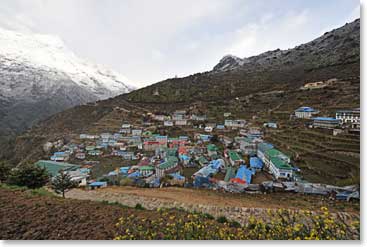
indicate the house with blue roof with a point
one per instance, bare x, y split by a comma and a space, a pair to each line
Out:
95, 185
256, 163
305, 112
326, 122
60, 156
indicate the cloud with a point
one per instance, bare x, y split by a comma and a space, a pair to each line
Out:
272, 32
149, 41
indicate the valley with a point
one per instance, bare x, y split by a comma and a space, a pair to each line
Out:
253, 137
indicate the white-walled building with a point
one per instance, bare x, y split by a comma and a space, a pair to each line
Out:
349, 117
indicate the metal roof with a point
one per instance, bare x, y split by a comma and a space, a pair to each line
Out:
326, 119
54, 167
234, 156
279, 163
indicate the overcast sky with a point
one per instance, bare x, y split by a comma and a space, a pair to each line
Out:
148, 41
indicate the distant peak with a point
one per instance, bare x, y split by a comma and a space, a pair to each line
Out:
229, 62
49, 52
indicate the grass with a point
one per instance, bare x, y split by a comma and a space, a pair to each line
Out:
34, 192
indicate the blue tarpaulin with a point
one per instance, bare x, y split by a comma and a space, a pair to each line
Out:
134, 174
215, 164
155, 183
98, 184
244, 174
177, 176
256, 163
210, 169
241, 173
206, 171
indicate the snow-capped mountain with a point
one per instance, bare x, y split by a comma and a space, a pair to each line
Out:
40, 76
50, 55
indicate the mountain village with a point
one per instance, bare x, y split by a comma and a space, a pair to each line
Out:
229, 157
263, 145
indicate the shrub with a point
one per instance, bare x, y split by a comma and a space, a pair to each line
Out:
235, 224
139, 206
222, 219
208, 216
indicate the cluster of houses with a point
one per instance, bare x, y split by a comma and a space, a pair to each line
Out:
238, 159
156, 156
222, 161
182, 118
349, 119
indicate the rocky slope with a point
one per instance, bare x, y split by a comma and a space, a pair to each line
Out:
40, 76
333, 55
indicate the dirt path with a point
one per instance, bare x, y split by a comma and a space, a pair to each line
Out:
208, 197
233, 206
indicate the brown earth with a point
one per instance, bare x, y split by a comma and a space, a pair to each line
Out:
27, 216
176, 196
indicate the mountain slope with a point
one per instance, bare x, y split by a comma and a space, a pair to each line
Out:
39, 76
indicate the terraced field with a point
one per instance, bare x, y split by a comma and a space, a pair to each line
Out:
321, 156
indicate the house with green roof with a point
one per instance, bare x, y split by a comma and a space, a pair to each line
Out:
146, 171
53, 167
269, 153
212, 149
170, 165
280, 168
235, 158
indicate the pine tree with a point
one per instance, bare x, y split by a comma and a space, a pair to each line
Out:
63, 183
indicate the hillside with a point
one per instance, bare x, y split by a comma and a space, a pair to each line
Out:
262, 88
